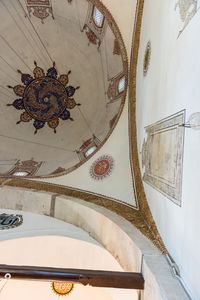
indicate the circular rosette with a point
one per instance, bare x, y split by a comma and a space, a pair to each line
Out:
70, 104
19, 90
45, 99
70, 90
102, 167
53, 124
64, 79
62, 288
38, 124
18, 104
52, 73
65, 115
38, 72
25, 117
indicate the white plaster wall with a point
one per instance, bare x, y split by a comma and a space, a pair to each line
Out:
172, 84
120, 184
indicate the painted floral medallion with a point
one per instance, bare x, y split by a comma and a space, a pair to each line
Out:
62, 288
102, 167
44, 97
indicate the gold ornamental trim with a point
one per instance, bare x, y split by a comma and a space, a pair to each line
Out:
144, 211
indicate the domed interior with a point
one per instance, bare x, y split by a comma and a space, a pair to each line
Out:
73, 36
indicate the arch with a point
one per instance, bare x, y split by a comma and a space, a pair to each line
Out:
129, 247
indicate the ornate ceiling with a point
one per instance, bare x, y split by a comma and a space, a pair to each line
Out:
63, 80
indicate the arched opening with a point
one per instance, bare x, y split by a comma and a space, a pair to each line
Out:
48, 242
134, 253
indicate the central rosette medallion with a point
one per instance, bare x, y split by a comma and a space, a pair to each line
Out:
45, 99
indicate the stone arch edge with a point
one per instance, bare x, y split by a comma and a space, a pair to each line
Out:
122, 239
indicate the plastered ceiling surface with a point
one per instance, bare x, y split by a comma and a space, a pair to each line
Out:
119, 186
64, 35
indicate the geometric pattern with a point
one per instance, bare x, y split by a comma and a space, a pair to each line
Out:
46, 98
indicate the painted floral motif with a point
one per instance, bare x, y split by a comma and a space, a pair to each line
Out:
187, 10
92, 37
102, 167
116, 48
28, 167
95, 25
45, 98
40, 8
62, 288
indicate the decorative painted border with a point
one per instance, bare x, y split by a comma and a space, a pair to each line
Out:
107, 172
172, 190
147, 57
144, 210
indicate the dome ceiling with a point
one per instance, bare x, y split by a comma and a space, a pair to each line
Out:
63, 80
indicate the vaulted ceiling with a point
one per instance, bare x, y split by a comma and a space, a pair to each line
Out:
75, 36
